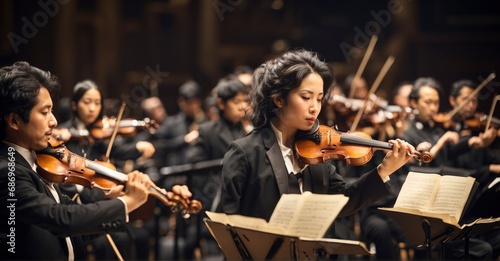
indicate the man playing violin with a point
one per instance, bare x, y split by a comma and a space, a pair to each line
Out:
43, 223
427, 133
483, 163
425, 130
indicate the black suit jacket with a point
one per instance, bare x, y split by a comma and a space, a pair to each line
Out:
254, 177
211, 144
40, 224
169, 139
213, 140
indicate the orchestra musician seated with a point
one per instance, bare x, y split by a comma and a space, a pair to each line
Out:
48, 224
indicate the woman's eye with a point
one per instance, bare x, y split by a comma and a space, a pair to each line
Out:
306, 98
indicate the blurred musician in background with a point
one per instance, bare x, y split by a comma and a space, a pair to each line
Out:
427, 133
178, 131
211, 144
86, 109
483, 163
154, 109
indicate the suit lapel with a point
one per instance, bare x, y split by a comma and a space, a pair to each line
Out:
276, 160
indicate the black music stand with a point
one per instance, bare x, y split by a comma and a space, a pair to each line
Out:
247, 244
422, 232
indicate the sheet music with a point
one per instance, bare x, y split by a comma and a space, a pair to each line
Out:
450, 197
307, 214
316, 215
285, 211
418, 191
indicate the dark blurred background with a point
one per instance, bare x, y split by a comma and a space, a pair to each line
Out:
134, 49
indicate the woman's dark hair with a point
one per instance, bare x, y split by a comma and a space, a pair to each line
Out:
278, 77
19, 88
79, 90
421, 82
457, 86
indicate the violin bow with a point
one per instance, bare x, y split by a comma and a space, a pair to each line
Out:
376, 83
364, 61
490, 77
115, 130
491, 112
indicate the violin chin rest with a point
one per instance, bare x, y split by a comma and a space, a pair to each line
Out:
303, 134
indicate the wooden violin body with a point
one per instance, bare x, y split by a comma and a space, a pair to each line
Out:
57, 164
354, 148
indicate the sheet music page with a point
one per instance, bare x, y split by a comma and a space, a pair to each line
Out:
418, 191
285, 210
243, 222
317, 213
452, 195
307, 214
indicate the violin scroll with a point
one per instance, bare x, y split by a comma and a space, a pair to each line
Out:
423, 156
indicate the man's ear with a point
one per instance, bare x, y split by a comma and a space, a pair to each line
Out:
452, 101
12, 120
220, 104
413, 103
278, 101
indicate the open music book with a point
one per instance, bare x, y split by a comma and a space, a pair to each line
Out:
432, 195
302, 215
294, 232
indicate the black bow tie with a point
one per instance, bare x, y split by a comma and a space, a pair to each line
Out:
298, 175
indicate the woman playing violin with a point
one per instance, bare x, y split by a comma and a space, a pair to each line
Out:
86, 106
261, 166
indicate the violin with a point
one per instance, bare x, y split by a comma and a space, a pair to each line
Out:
103, 129
479, 121
347, 106
475, 123
353, 148
57, 164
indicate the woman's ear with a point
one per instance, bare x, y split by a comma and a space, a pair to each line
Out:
73, 106
278, 101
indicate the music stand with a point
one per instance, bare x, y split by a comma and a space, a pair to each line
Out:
421, 231
247, 244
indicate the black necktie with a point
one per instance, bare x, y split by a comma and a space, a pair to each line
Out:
293, 183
